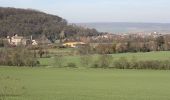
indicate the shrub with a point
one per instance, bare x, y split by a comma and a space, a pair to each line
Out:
133, 63
17, 57
103, 61
85, 49
122, 63
41, 52
71, 65
105, 49
1, 43
95, 65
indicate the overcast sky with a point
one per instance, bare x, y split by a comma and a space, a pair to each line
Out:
100, 10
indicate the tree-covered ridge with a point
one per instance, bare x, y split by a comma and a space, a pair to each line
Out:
28, 22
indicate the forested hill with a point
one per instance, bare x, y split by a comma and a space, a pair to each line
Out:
28, 22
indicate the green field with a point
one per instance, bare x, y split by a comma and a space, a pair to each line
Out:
86, 84
50, 83
162, 55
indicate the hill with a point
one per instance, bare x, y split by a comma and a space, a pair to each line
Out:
28, 22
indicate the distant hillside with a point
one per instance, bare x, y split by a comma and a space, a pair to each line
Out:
128, 27
28, 22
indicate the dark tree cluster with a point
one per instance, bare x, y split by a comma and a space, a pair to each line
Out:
29, 22
26, 22
134, 44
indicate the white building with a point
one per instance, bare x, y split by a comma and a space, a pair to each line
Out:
20, 40
16, 40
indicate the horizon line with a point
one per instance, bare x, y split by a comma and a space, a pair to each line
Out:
118, 22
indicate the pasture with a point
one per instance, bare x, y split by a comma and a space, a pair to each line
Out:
162, 55
83, 84
52, 83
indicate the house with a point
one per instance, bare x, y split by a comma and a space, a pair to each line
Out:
16, 40
34, 42
20, 40
73, 44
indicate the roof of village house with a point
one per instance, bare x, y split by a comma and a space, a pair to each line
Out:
17, 37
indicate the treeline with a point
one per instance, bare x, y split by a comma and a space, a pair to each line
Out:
27, 22
17, 57
150, 64
109, 62
128, 44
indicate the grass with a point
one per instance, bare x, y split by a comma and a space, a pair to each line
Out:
163, 55
86, 84
43, 83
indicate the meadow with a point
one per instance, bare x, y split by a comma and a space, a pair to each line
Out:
48, 82
161, 55
83, 84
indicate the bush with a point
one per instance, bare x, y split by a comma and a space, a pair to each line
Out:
41, 52
71, 65
1, 43
95, 65
85, 49
133, 62
17, 57
105, 49
103, 61
123, 63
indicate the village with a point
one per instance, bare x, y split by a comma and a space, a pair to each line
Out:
16, 40
84, 50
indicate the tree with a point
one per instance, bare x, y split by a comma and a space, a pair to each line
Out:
1, 43
160, 42
85, 49
103, 61
26, 22
18, 56
41, 52
62, 36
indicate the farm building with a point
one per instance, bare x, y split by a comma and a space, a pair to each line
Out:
16, 40
20, 40
73, 44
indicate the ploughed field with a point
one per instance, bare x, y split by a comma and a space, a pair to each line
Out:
83, 84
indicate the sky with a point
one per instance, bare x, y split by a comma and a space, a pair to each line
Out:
77, 11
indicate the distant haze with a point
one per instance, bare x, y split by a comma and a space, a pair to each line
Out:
124, 27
